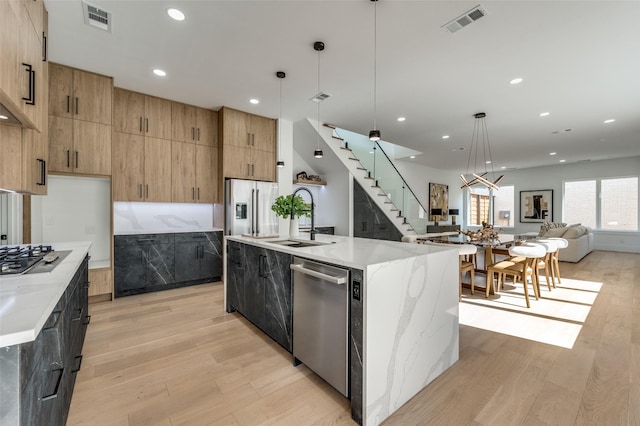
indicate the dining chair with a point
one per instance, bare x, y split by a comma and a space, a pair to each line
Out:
546, 262
562, 243
531, 253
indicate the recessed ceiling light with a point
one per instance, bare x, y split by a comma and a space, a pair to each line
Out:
503, 167
3, 117
175, 14
254, 101
370, 152
488, 162
401, 119
413, 156
159, 73
562, 161
552, 153
516, 80
611, 120
445, 137
544, 114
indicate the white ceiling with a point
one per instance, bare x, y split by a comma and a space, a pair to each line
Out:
580, 61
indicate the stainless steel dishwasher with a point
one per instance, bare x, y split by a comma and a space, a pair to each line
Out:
321, 320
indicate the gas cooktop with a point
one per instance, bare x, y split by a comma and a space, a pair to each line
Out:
20, 259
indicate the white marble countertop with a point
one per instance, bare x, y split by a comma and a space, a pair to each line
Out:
26, 301
352, 252
166, 231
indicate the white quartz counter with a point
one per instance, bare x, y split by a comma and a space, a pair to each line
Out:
355, 253
26, 301
166, 231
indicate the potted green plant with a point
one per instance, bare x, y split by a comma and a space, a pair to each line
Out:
282, 207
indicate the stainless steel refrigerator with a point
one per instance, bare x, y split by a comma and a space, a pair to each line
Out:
248, 208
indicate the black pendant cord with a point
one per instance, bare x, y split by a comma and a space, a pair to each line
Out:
318, 137
375, 63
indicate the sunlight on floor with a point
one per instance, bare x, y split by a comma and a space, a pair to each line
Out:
555, 319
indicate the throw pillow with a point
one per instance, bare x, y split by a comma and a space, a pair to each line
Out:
550, 225
574, 232
556, 233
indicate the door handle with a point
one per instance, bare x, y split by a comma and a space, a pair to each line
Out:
140, 124
76, 159
140, 187
146, 190
193, 131
198, 193
193, 193
43, 172
68, 103
198, 133
146, 120
68, 160
31, 100
76, 104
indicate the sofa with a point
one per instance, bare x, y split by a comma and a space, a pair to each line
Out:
579, 238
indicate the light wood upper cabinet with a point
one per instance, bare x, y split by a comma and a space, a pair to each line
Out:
192, 124
77, 146
141, 168
10, 46
248, 145
194, 173
136, 113
79, 94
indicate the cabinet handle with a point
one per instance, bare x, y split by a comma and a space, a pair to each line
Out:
140, 187
44, 47
146, 190
146, 120
248, 169
76, 159
79, 359
79, 310
31, 100
193, 193
76, 104
253, 139
68, 161
68, 104
193, 130
198, 193
144, 240
58, 381
252, 169
43, 172
87, 320
198, 133
140, 124
248, 138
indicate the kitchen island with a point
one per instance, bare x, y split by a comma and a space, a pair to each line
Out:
43, 321
403, 318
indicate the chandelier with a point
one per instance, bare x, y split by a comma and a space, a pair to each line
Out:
480, 139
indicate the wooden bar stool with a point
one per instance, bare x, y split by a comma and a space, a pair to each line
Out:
562, 243
546, 262
466, 254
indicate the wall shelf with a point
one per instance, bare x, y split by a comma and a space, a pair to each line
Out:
309, 182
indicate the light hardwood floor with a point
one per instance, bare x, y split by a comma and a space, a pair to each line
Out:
176, 358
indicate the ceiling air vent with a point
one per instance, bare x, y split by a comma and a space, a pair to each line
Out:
465, 19
96, 17
320, 97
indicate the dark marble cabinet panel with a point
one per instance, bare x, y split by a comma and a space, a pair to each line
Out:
152, 262
259, 287
369, 221
38, 377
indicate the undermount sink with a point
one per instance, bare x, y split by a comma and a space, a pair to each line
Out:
297, 243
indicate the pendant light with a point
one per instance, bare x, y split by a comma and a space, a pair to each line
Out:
318, 46
480, 136
281, 75
374, 135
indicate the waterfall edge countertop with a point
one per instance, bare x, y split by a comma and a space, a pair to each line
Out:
26, 301
346, 251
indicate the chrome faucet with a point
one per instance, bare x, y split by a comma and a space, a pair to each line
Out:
293, 196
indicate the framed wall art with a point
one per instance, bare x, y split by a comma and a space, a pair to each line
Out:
536, 206
439, 199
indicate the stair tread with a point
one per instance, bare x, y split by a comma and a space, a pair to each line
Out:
394, 210
367, 177
361, 168
388, 202
346, 149
337, 137
375, 186
331, 126
354, 159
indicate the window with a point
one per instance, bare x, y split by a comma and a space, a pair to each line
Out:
610, 204
483, 201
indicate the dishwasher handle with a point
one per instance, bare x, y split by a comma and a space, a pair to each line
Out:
325, 277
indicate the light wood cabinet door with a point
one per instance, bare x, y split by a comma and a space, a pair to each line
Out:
11, 158
235, 128
206, 127
60, 144
101, 281
91, 148
92, 97
128, 111
60, 90
206, 174
263, 132
10, 47
35, 11
263, 165
157, 121
157, 169
183, 122
128, 157
183, 178
236, 162
31, 83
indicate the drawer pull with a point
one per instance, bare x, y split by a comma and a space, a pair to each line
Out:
55, 391
31, 100
43, 172
79, 359
87, 320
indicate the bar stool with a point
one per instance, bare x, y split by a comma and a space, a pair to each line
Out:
466, 254
532, 253
562, 243
546, 263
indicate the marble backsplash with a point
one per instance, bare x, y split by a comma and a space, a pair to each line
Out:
155, 218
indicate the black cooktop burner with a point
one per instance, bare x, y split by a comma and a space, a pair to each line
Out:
18, 260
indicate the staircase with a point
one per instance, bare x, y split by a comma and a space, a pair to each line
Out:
374, 170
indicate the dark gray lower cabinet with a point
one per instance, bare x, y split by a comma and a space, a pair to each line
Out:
152, 262
38, 377
259, 287
368, 220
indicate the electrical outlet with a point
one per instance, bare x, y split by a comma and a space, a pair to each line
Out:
356, 290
